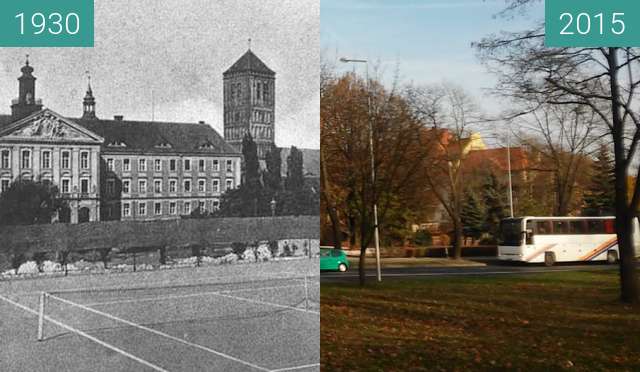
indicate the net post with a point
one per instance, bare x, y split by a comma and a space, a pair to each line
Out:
43, 298
306, 293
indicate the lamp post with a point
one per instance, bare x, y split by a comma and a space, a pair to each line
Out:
273, 207
509, 170
373, 163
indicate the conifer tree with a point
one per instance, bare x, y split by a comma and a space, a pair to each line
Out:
272, 176
599, 198
472, 217
295, 171
494, 197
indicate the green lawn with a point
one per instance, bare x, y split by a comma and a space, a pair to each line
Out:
554, 321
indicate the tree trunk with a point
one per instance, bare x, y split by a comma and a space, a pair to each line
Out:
628, 275
335, 227
361, 263
333, 215
457, 238
352, 231
629, 289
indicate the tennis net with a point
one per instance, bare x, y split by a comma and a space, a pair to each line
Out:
153, 306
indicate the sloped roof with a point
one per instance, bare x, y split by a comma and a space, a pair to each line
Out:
158, 137
4, 120
249, 62
310, 161
497, 159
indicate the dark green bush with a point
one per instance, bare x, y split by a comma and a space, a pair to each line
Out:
422, 238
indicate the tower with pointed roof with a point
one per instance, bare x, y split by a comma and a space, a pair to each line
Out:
249, 103
26, 103
89, 103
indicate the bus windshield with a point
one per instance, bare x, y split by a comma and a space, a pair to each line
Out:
511, 232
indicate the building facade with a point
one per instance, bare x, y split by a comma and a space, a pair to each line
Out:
115, 169
249, 103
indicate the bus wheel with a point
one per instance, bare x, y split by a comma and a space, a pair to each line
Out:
612, 257
549, 258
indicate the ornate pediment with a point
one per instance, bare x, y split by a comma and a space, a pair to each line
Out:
46, 125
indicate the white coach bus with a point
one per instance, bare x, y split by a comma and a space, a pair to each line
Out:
561, 239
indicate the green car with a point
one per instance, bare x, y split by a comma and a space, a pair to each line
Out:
333, 259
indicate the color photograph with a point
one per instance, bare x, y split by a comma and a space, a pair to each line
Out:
479, 185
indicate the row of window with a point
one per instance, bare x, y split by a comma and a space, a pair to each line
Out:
559, 227
261, 90
65, 185
173, 208
173, 165
45, 159
173, 186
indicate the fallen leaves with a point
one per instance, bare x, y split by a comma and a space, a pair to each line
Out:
558, 321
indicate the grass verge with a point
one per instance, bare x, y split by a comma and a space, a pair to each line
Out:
554, 321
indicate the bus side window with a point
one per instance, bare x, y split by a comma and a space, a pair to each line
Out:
577, 227
595, 227
529, 232
560, 227
542, 227
609, 227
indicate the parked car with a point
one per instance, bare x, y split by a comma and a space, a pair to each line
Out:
333, 259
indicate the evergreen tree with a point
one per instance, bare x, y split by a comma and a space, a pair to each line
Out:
472, 217
494, 197
298, 197
251, 162
246, 200
272, 176
295, 170
599, 198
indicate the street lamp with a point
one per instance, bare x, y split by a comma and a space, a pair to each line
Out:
373, 163
273, 207
509, 170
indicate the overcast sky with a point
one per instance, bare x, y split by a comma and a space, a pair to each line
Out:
178, 49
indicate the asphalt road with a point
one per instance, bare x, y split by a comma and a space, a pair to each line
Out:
493, 268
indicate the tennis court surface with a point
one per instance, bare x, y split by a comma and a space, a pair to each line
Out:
165, 321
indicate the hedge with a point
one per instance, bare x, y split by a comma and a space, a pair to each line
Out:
124, 236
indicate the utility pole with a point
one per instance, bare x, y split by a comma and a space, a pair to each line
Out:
509, 170
373, 164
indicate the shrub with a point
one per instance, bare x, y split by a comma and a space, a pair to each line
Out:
263, 253
17, 259
238, 248
422, 238
39, 258
273, 247
249, 255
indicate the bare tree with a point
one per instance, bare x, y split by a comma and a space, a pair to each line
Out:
345, 118
603, 80
449, 113
329, 197
563, 136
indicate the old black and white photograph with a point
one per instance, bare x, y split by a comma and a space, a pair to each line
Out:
160, 192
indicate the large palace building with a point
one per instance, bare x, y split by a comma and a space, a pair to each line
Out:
136, 170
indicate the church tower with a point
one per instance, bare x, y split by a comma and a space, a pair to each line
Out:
89, 103
26, 103
249, 103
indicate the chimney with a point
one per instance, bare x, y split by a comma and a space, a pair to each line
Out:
201, 122
118, 117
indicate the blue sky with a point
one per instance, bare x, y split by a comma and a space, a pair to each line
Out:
428, 40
